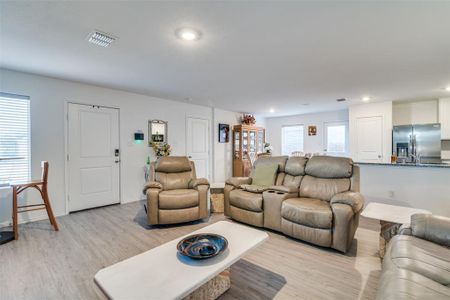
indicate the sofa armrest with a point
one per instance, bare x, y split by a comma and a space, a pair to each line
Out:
285, 189
354, 199
152, 185
238, 181
435, 229
194, 183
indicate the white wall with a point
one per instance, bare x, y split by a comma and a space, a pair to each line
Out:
383, 109
223, 152
49, 98
417, 112
312, 144
425, 188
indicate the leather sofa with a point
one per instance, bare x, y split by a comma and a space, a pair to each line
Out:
417, 262
174, 194
316, 200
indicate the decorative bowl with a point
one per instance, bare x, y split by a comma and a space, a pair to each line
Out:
201, 246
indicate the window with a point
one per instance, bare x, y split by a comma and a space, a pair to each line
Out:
291, 139
14, 138
336, 138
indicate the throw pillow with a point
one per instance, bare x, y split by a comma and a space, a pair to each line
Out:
264, 174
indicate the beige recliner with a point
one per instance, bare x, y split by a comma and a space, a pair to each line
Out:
316, 200
174, 194
244, 202
326, 212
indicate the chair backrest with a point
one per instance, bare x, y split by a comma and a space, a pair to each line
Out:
294, 171
326, 176
44, 175
173, 172
297, 153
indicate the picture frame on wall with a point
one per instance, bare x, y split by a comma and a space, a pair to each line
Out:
312, 130
224, 133
157, 131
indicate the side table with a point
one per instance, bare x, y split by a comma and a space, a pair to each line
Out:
391, 217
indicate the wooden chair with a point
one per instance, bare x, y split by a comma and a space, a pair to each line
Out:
41, 186
298, 153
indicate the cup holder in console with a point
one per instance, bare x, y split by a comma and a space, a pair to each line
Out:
271, 191
280, 193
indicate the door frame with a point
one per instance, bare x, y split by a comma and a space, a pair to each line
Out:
66, 150
210, 150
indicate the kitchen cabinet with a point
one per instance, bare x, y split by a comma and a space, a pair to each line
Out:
444, 118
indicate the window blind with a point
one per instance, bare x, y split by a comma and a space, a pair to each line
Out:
291, 139
14, 138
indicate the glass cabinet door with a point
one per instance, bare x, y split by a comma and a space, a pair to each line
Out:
252, 147
237, 144
260, 141
244, 141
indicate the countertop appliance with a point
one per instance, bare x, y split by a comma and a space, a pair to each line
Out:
417, 143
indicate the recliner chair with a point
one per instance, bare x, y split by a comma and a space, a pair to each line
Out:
174, 193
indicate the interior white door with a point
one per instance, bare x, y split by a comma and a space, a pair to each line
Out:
197, 145
369, 139
93, 156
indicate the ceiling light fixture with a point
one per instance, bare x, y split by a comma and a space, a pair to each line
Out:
366, 99
188, 34
447, 88
272, 110
101, 39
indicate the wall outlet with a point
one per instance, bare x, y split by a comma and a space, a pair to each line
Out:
391, 194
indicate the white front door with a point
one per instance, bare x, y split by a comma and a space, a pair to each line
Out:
93, 156
197, 145
369, 139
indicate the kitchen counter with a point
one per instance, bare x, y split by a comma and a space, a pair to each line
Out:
435, 165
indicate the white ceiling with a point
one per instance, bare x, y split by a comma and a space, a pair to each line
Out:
253, 56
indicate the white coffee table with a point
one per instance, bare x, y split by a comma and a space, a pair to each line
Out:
161, 273
391, 218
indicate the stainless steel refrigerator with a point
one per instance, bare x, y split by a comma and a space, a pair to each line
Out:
417, 143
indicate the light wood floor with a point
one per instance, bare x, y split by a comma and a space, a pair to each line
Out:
44, 264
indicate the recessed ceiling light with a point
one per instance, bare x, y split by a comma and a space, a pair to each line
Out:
447, 88
188, 34
366, 99
101, 39
305, 104
272, 110
341, 100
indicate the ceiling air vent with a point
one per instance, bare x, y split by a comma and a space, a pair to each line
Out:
100, 38
341, 100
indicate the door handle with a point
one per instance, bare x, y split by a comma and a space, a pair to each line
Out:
117, 161
189, 156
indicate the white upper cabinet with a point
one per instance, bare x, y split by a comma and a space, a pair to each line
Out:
444, 118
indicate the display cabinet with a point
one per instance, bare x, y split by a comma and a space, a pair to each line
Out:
248, 142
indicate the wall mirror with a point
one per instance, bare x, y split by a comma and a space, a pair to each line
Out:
157, 131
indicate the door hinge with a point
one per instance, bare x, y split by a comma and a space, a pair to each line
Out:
68, 157
67, 117
68, 198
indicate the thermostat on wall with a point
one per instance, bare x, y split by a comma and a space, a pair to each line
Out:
138, 137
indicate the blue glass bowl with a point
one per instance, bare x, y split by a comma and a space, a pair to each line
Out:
201, 246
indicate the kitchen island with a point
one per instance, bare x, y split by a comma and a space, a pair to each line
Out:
420, 165
422, 186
